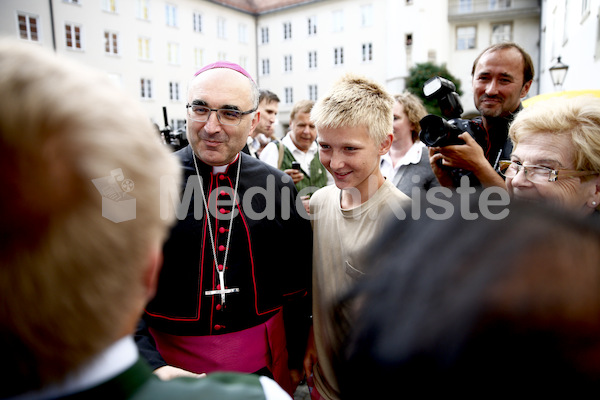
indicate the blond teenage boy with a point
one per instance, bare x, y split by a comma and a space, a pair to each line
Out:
354, 129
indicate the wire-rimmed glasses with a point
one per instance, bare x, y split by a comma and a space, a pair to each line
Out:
539, 174
226, 116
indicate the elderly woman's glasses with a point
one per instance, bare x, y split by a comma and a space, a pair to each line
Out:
225, 116
539, 174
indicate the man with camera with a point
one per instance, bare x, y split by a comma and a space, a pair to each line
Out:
502, 75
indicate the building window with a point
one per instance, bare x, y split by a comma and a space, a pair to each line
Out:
174, 91
243, 33
367, 52
146, 88
221, 28
178, 124
143, 10
312, 26
289, 95
111, 42
28, 27
197, 22
73, 36
585, 8
264, 35
408, 42
287, 30
221, 56
501, 33
171, 15
198, 57
465, 37
312, 92
243, 62
266, 66
338, 20
312, 59
173, 53
366, 15
109, 6
465, 6
499, 4
338, 56
144, 48
287, 63
71, 1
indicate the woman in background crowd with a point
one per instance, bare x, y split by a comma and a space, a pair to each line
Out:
407, 163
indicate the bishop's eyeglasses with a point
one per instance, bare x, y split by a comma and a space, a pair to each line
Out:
226, 116
539, 174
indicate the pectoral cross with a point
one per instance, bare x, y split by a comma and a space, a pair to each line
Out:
222, 291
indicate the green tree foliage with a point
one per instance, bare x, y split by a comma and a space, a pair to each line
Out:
420, 73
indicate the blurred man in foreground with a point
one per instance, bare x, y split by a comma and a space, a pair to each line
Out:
82, 232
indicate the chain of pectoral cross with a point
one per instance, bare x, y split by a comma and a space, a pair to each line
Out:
221, 289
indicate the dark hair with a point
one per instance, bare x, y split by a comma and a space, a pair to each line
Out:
528, 69
267, 95
457, 304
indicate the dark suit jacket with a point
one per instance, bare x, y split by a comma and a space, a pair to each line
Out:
139, 383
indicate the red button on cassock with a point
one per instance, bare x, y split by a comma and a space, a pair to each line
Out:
221, 177
220, 267
221, 248
222, 230
217, 327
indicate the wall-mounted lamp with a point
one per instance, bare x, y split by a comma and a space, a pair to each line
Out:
558, 72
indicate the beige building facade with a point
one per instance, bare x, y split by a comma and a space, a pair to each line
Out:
295, 48
150, 48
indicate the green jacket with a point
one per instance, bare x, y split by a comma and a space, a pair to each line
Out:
318, 173
138, 383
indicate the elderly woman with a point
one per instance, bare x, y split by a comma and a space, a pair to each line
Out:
406, 164
556, 153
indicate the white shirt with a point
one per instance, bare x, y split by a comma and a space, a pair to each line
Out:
270, 153
412, 156
253, 145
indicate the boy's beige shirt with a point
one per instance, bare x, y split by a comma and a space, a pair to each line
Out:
339, 239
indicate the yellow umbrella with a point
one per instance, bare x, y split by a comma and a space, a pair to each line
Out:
566, 93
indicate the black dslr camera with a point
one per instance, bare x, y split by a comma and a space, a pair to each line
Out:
438, 132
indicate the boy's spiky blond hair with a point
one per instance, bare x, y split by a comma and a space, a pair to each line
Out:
356, 101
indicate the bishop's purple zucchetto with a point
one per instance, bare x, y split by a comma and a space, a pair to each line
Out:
225, 64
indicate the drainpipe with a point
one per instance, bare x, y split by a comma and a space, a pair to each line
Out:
52, 25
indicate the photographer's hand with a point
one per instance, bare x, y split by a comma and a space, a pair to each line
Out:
470, 156
442, 174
